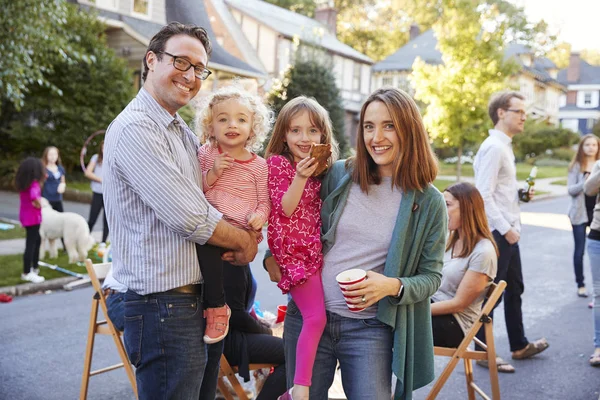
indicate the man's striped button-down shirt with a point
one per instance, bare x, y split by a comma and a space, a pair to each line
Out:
153, 198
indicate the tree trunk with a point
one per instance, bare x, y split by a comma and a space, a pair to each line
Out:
458, 162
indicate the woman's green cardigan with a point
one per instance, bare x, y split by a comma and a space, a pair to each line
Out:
416, 256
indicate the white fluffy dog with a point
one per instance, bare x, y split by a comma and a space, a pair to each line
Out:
72, 227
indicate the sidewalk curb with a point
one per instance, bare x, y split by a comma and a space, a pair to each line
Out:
31, 288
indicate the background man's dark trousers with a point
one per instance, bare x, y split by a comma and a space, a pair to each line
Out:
509, 270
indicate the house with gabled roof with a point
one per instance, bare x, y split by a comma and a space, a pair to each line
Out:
266, 37
130, 24
536, 78
580, 107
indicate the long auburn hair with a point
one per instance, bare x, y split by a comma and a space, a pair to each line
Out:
473, 222
45, 156
319, 117
415, 165
579, 156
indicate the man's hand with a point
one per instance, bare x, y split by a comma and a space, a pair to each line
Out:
256, 222
512, 236
245, 254
273, 269
531, 193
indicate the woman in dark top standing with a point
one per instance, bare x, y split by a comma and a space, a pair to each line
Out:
94, 173
249, 341
55, 183
582, 205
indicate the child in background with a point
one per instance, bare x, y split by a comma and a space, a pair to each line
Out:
234, 180
93, 172
294, 232
55, 183
27, 181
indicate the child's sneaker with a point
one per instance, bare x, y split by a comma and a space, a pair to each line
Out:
33, 277
217, 324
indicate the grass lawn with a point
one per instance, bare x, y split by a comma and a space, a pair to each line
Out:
442, 184
523, 170
82, 186
11, 268
562, 182
16, 233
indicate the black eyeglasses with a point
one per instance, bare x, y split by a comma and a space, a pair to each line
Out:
184, 65
522, 113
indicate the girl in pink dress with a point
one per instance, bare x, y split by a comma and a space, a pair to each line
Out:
295, 223
27, 181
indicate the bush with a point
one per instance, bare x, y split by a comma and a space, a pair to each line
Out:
312, 79
539, 137
563, 153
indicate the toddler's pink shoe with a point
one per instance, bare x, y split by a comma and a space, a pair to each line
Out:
217, 324
286, 396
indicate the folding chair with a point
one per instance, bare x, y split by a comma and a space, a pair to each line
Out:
95, 272
227, 371
462, 351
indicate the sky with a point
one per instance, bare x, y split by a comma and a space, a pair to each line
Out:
575, 21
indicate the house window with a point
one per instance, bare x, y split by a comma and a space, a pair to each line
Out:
110, 4
571, 124
141, 7
590, 123
587, 98
386, 81
356, 77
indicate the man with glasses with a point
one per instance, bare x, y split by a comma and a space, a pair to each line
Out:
158, 213
496, 179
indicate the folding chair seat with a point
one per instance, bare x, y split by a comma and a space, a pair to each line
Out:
106, 327
227, 371
463, 352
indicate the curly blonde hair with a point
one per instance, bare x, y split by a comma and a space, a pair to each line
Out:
262, 116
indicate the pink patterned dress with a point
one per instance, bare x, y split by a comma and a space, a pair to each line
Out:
295, 241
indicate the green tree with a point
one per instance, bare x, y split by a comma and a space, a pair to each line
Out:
34, 34
471, 39
80, 98
592, 56
312, 79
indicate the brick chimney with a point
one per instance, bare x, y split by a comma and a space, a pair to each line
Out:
573, 69
327, 15
414, 31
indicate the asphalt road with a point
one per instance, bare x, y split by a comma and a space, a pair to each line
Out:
43, 337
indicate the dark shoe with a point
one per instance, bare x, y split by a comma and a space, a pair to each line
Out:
531, 349
502, 365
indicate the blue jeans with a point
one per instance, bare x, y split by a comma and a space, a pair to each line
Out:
593, 248
163, 338
579, 237
363, 348
116, 309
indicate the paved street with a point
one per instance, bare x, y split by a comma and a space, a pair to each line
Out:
43, 337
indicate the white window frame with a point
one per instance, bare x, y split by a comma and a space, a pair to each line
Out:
570, 123
356, 77
387, 81
594, 97
141, 15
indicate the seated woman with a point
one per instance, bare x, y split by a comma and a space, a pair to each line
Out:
470, 265
249, 341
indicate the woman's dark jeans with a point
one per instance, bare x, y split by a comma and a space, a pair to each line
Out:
579, 236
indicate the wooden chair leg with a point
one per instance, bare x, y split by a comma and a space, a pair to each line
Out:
125, 360
493, 368
224, 389
89, 351
469, 378
441, 381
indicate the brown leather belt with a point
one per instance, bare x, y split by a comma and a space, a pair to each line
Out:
187, 289
107, 292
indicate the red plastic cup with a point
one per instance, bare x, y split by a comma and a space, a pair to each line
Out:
281, 310
347, 278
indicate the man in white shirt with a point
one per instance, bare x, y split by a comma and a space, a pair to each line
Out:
496, 179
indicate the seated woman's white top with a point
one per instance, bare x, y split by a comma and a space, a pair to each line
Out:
483, 259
